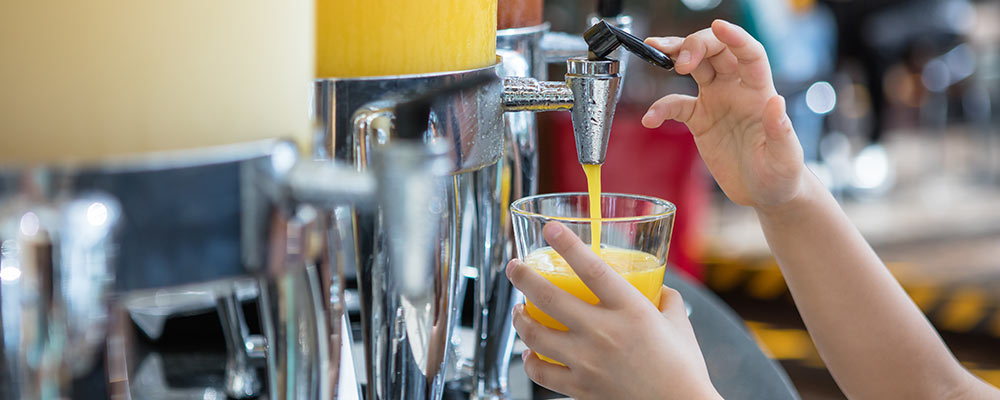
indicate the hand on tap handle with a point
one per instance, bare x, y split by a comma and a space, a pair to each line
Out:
738, 120
861, 320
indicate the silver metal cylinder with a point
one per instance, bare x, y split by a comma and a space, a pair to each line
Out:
56, 255
596, 88
190, 222
408, 313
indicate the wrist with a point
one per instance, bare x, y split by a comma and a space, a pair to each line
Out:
810, 192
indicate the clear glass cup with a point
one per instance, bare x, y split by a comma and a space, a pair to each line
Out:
635, 237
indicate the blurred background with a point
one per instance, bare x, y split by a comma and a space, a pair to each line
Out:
895, 104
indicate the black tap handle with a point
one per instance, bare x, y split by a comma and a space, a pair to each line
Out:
412, 115
603, 38
609, 8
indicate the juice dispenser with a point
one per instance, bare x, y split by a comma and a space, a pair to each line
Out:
146, 157
382, 59
146, 171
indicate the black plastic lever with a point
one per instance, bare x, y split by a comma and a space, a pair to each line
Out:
603, 38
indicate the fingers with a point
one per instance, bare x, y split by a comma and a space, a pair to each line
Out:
610, 287
669, 45
703, 56
554, 377
680, 49
729, 50
549, 298
753, 67
677, 107
538, 337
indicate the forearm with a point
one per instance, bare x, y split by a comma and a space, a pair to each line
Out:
875, 341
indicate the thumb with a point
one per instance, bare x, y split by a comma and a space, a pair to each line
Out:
777, 125
782, 143
671, 304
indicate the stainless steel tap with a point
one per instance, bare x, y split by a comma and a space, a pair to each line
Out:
590, 91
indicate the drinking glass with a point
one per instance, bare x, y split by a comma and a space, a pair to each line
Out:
635, 237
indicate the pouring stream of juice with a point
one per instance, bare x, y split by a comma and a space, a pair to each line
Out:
593, 172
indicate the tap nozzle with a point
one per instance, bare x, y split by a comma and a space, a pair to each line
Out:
596, 87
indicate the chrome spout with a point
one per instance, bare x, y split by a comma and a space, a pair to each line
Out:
596, 87
593, 82
590, 93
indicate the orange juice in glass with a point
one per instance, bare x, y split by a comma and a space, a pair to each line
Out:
635, 236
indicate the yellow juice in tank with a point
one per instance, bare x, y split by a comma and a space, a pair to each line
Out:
396, 37
91, 81
641, 269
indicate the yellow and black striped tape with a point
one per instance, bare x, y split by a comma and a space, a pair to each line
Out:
796, 347
962, 307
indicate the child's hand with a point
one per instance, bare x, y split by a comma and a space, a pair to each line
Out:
621, 348
738, 120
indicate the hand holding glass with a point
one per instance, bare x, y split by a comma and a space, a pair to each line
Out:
634, 241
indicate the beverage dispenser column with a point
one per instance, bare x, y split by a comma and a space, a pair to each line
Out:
372, 57
145, 168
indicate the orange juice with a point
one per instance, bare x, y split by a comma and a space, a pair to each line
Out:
395, 37
641, 269
593, 172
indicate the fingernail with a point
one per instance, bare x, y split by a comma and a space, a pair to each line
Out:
684, 57
510, 266
666, 41
524, 354
649, 114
